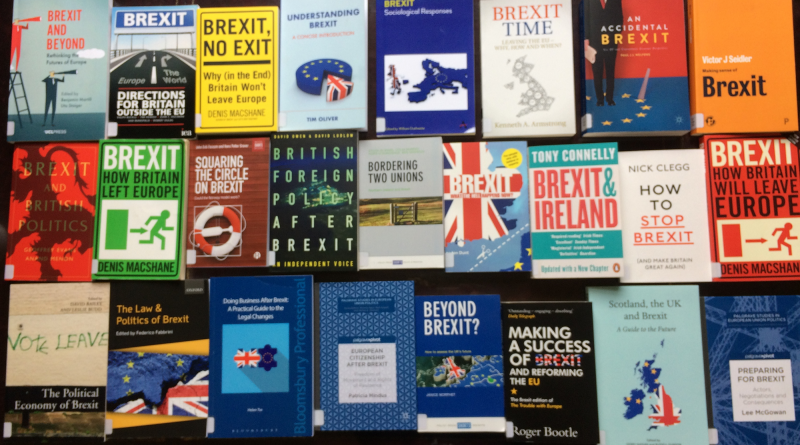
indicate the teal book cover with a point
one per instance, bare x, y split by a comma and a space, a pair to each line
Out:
648, 344
323, 65
58, 79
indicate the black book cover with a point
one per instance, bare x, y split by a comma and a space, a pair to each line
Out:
158, 359
314, 201
550, 379
152, 72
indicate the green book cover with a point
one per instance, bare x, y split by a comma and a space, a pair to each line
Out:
140, 210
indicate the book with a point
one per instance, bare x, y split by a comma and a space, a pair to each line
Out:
649, 351
262, 356
459, 364
324, 65
486, 207
665, 224
51, 215
551, 384
227, 203
367, 326
638, 47
752, 199
575, 211
400, 204
157, 362
55, 363
237, 70
314, 201
752, 392
527, 69
425, 68
140, 210
58, 80
742, 67
152, 72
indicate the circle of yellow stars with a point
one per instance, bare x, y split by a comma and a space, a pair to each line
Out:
628, 120
335, 62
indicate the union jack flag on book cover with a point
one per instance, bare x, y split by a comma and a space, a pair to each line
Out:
487, 223
338, 88
157, 384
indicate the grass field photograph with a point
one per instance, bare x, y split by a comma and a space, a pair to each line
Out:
399, 211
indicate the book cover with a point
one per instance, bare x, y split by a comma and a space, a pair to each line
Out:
575, 211
400, 207
58, 82
157, 360
634, 77
324, 65
51, 215
741, 58
459, 364
551, 384
262, 356
527, 69
314, 202
425, 67
649, 351
55, 364
237, 70
665, 224
753, 392
752, 206
227, 203
487, 227
141, 210
366, 332
152, 72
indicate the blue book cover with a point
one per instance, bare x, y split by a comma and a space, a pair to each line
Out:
634, 74
262, 356
751, 344
425, 68
366, 349
459, 364
650, 367
323, 65
58, 80
486, 222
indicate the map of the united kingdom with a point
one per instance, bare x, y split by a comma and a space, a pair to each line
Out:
439, 78
664, 412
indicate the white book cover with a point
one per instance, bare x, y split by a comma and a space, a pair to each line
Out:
528, 72
401, 205
665, 222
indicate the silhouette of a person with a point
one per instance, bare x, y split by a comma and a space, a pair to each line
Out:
16, 42
603, 19
51, 94
785, 235
159, 226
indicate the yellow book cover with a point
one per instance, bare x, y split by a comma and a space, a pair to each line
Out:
237, 70
741, 66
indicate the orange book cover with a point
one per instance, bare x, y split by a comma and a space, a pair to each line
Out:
741, 66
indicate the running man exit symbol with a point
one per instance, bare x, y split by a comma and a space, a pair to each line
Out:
159, 226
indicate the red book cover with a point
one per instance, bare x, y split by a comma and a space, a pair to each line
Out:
228, 203
754, 207
51, 217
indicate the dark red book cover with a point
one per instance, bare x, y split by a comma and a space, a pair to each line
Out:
51, 217
228, 206
754, 206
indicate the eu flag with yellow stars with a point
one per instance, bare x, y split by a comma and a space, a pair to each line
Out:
138, 382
